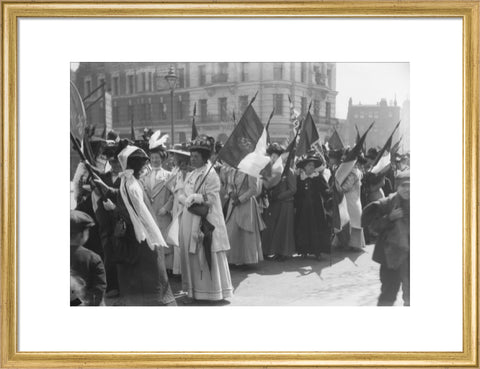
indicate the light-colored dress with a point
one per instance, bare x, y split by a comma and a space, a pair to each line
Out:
198, 279
351, 189
176, 184
157, 191
244, 221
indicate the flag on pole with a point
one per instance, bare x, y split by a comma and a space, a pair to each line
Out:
308, 135
194, 127
335, 142
396, 147
350, 160
383, 160
246, 148
268, 125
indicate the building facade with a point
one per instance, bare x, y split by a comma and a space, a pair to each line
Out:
141, 95
385, 115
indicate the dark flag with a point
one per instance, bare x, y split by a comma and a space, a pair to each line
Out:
268, 125
245, 149
348, 163
308, 135
382, 162
396, 146
335, 142
194, 127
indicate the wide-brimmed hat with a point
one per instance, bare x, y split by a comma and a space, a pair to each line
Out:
335, 154
181, 149
372, 153
309, 157
275, 148
202, 143
130, 151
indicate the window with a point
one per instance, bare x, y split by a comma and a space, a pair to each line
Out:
304, 105
370, 114
375, 115
303, 72
115, 86
180, 108
149, 85
222, 108
329, 78
328, 109
163, 109
181, 77
316, 108
101, 81
143, 112
202, 104
278, 104
278, 71
148, 112
130, 84
115, 114
242, 103
202, 77
223, 68
144, 81
244, 72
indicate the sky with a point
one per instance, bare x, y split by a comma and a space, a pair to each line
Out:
368, 83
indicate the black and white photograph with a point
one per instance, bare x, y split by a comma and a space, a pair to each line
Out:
239, 184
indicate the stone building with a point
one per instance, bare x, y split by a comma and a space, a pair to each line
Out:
140, 94
385, 115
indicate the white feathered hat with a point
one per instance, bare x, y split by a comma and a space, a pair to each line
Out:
157, 143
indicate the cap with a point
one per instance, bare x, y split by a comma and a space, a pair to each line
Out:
80, 221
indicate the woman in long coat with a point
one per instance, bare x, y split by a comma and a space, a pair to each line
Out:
243, 220
155, 184
312, 224
278, 237
142, 275
205, 273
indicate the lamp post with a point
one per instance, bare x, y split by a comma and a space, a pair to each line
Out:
171, 79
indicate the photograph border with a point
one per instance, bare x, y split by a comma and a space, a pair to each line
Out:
468, 11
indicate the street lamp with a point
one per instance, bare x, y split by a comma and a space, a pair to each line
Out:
171, 79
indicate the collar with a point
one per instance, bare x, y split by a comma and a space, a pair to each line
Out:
304, 176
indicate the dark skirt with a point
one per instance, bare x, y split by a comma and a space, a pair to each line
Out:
312, 232
278, 237
144, 281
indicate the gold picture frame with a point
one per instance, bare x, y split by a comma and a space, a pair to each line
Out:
468, 11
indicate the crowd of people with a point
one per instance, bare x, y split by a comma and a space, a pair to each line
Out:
145, 213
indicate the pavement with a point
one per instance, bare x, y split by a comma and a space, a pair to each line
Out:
344, 279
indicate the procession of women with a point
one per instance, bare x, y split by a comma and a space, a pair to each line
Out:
146, 212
